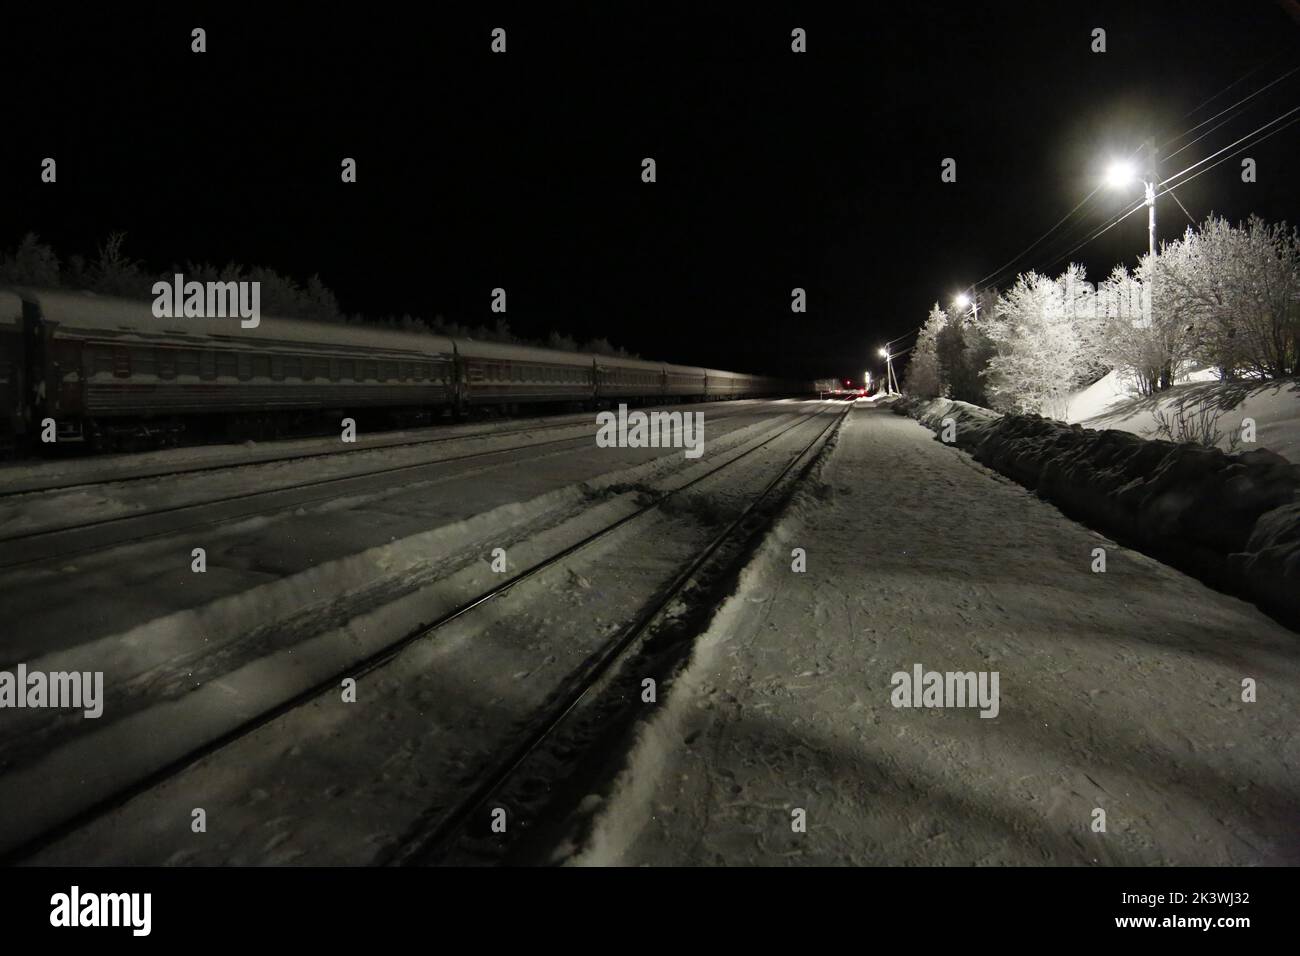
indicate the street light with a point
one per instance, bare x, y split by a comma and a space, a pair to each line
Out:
890, 381
1122, 173
962, 300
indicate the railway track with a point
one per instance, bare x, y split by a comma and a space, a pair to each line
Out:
195, 469
61, 542
437, 836
106, 803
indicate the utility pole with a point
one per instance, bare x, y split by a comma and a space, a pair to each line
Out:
1150, 184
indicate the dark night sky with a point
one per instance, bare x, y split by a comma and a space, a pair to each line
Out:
523, 170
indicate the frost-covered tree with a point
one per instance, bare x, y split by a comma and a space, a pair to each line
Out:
32, 263
113, 272
1142, 332
965, 350
564, 343
1236, 291
1045, 333
321, 302
923, 379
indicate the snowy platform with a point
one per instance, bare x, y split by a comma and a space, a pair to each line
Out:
1120, 692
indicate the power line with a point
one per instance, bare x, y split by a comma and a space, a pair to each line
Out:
1230, 145
1033, 244
1169, 191
998, 273
1225, 110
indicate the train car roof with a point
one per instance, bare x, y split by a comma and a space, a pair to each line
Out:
620, 361
88, 311
501, 352
689, 369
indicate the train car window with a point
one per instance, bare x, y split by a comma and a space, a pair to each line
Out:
277, 368
166, 360
121, 362
369, 371
142, 361
227, 366
292, 366
347, 370
388, 371
187, 362
261, 366
101, 360
244, 366
207, 364
318, 367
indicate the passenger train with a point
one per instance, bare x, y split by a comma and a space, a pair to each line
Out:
109, 374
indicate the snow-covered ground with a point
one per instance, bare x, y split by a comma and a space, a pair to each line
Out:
339, 783
69, 602
1204, 403
30, 475
1119, 692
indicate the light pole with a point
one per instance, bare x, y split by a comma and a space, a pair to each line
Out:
1121, 173
889, 369
962, 300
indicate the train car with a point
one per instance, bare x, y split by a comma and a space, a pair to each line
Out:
684, 382
13, 419
626, 379
109, 368
720, 385
504, 375
109, 373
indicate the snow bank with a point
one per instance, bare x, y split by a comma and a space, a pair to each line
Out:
1232, 520
1198, 404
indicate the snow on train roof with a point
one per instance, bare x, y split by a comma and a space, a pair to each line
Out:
86, 310
619, 361
685, 369
499, 351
